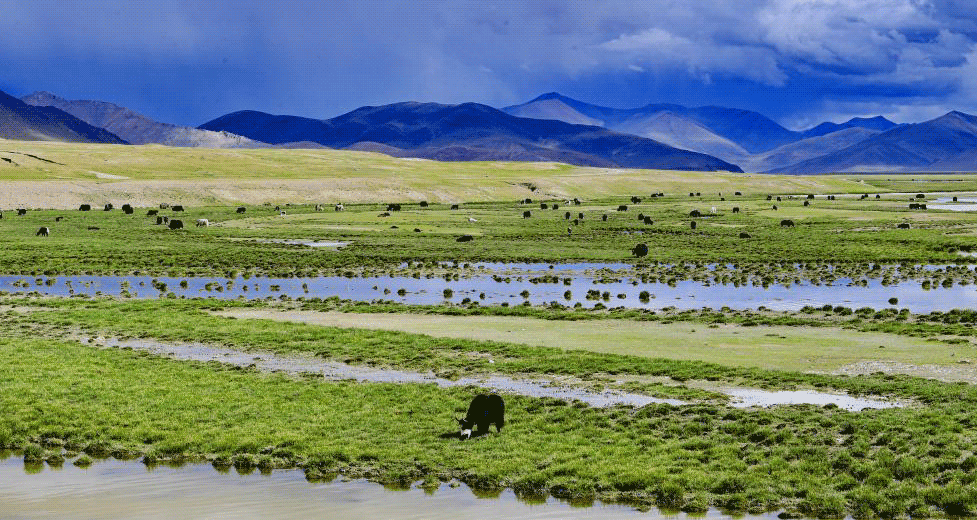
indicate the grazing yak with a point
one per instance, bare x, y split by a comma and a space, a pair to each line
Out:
21, 212
43, 232
393, 207
604, 218
744, 234
904, 225
465, 238
152, 213
543, 205
454, 206
787, 223
736, 209
159, 220
566, 216
127, 209
109, 207
241, 209
176, 224
483, 411
693, 224
527, 214
648, 221
163, 205
202, 222
339, 207
423, 204
56, 219
695, 213
640, 250
622, 207
85, 207
177, 208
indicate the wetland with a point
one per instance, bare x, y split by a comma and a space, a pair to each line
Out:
333, 350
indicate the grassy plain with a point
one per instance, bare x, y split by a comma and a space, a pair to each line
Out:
61, 398
770, 347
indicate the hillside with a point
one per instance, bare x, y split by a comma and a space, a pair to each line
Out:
21, 121
467, 132
942, 144
137, 128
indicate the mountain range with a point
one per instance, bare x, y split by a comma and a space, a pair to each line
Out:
467, 132
18, 120
137, 128
550, 127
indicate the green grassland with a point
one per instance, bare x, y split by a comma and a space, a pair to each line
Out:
61, 398
837, 231
61, 395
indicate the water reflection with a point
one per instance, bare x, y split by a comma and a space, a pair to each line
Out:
584, 290
127, 490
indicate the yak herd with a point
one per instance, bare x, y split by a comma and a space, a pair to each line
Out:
173, 223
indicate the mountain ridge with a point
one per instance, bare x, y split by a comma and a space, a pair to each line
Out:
18, 120
137, 128
468, 131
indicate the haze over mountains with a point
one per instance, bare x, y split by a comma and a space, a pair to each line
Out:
748, 139
137, 128
467, 132
19, 120
551, 127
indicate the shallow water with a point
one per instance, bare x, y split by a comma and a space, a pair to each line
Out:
110, 490
947, 203
741, 397
510, 289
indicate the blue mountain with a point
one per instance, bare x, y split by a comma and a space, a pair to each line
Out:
947, 143
873, 123
21, 121
467, 132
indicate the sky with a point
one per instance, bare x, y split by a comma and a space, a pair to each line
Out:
798, 62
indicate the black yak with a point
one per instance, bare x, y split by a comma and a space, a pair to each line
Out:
43, 232
484, 410
176, 224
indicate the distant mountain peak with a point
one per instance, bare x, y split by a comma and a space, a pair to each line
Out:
551, 95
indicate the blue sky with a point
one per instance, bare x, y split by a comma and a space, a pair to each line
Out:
797, 61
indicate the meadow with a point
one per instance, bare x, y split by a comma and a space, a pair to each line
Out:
66, 400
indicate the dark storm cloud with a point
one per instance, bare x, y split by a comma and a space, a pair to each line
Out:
796, 60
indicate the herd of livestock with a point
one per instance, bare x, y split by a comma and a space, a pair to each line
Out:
174, 223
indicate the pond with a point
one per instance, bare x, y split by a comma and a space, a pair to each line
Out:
112, 489
586, 289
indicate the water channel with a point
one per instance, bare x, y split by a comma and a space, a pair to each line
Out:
578, 284
331, 370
